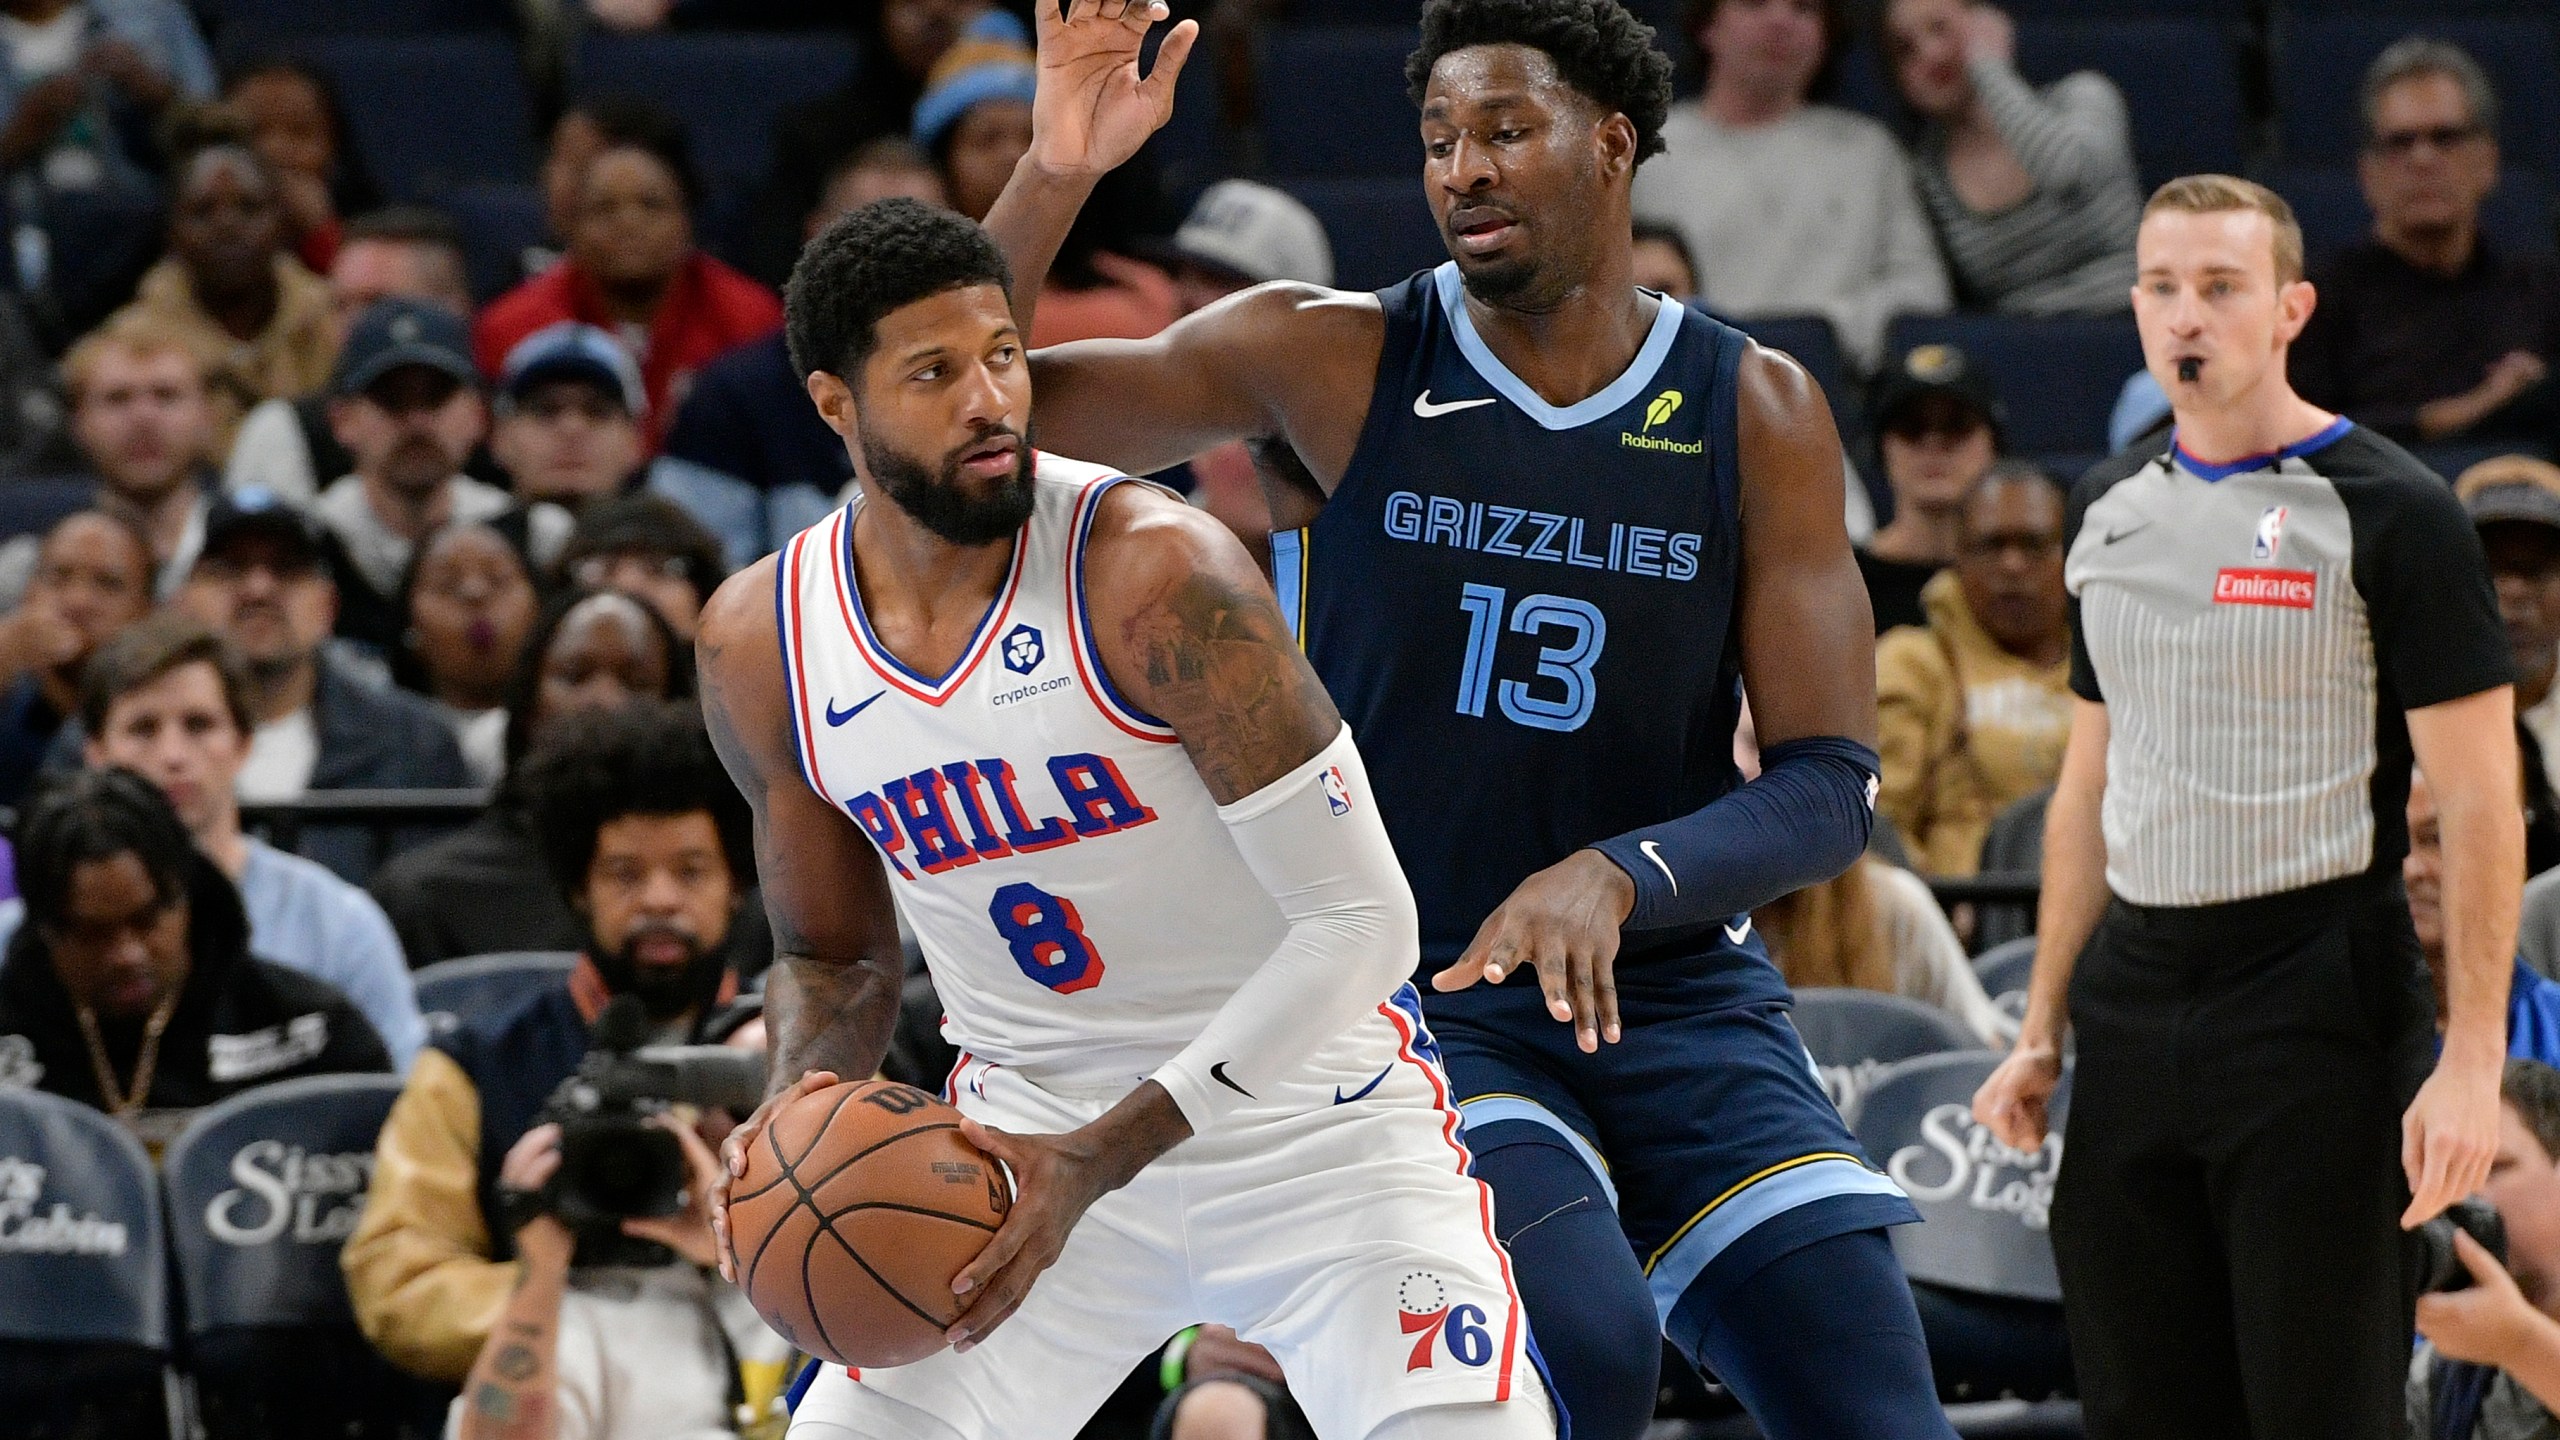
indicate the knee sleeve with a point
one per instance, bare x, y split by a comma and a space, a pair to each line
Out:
1590, 1317
1527, 1415
1823, 1342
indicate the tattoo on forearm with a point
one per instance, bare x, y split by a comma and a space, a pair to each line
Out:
1221, 668
825, 1016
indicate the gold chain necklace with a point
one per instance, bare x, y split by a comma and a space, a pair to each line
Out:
148, 1061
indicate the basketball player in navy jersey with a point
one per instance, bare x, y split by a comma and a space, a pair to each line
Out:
1557, 525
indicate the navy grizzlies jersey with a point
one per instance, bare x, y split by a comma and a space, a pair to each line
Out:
1527, 615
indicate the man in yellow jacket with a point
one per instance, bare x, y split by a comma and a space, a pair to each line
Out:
1974, 706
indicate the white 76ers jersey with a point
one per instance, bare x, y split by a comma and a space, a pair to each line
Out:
1076, 895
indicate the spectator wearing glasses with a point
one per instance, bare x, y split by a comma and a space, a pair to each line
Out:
2426, 331
1938, 425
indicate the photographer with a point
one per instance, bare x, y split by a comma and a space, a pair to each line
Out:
2490, 1369
489, 1247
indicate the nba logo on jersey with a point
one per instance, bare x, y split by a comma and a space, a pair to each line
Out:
2270, 537
1023, 650
1337, 791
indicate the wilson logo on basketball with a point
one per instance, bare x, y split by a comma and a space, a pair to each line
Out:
1424, 1311
2288, 589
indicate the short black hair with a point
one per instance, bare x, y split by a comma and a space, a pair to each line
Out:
2532, 1089
886, 255
351, 187
84, 816
652, 760
1663, 233
1599, 48
642, 521
631, 122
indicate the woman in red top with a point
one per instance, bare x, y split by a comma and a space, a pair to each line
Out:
632, 269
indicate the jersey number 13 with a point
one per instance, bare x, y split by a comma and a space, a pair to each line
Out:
1581, 631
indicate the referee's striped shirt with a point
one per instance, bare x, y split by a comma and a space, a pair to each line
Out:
2257, 631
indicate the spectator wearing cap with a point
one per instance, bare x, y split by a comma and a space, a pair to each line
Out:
570, 409
1938, 425
407, 252
633, 270
142, 417
647, 547
2425, 330
2514, 502
1973, 706
91, 579
319, 721
406, 404
1791, 206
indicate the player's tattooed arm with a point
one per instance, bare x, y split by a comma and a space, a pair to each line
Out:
512, 1392
831, 1001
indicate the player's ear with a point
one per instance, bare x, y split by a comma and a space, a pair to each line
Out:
834, 400
1617, 141
2295, 300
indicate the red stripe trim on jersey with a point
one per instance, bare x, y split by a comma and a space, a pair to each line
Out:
951, 1082
889, 667
1449, 1123
798, 676
1097, 683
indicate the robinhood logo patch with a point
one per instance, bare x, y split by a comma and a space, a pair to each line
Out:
1657, 414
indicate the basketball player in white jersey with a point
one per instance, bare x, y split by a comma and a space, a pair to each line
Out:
1054, 718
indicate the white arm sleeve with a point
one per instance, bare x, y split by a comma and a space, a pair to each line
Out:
1314, 839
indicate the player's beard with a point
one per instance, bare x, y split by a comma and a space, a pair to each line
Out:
666, 991
938, 499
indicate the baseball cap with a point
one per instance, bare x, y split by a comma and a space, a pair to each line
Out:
1936, 369
572, 350
1253, 233
992, 60
254, 512
2507, 488
393, 333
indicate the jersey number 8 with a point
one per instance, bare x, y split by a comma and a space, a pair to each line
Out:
1569, 663
1047, 937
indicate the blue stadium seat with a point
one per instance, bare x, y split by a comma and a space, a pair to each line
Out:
1332, 102
2003, 971
30, 504
243, 25
2058, 377
1381, 228
1854, 1034
2320, 62
263, 1190
1982, 1267
2518, 217
2180, 79
483, 984
433, 112
1810, 340
726, 88
498, 224
84, 1285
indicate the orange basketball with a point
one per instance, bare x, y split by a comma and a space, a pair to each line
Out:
859, 1204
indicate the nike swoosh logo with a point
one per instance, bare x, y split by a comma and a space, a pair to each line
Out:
1740, 933
2115, 535
1653, 853
1218, 1072
1341, 1099
838, 717
1423, 407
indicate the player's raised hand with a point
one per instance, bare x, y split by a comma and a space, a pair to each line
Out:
1090, 111
733, 1160
1564, 920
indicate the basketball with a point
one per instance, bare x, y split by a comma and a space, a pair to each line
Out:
859, 1203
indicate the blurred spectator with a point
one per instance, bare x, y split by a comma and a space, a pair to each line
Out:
298, 125
1663, 261
1877, 927
1791, 207
647, 547
632, 269
471, 607
92, 578
2426, 331
132, 983
583, 131
142, 416
569, 408
746, 453
2533, 1002
406, 404
2033, 191
2490, 1367
169, 701
84, 85
900, 43
1973, 707
482, 888
230, 280
320, 724
649, 845
1225, 1388
407, 252
638, 15
1938, 424
2514, 501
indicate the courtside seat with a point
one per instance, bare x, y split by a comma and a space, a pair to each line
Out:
451, 990
1853, 1035
2003, 971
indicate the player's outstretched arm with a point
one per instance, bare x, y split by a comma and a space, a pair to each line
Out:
831, 1001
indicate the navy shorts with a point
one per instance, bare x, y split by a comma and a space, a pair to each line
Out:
1708, 1128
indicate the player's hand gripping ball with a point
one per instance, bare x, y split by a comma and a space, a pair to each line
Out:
859, 1204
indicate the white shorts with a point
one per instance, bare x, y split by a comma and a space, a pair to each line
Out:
1333, 1222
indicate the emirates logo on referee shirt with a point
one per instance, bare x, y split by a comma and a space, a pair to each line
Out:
2285, 589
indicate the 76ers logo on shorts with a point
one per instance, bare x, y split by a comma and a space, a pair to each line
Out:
1424, 1311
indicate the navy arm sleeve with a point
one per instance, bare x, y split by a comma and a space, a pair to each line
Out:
1803, 821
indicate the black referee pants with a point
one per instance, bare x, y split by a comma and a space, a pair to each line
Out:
2227, 1216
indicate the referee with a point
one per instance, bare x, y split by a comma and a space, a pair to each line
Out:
2271, 613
